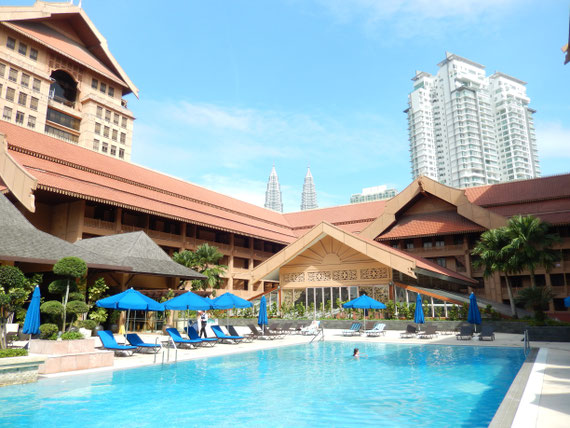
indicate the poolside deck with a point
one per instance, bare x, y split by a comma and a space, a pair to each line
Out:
544, 397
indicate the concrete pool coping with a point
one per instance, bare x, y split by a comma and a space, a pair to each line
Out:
549, 397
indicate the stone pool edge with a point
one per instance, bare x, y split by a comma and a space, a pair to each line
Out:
507, 410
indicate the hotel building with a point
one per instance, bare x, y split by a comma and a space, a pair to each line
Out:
419, 240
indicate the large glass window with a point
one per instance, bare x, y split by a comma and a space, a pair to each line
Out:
63, 119
63, 88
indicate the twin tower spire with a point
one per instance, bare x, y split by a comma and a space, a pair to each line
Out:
273, 199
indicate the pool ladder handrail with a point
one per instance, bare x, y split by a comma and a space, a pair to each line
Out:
526, 343
321, 333
170, 344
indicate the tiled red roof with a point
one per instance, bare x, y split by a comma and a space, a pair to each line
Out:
57, 41
430, 224
538, 189
352, 217
94, 176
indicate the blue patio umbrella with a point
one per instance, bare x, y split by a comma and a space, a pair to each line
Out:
130, 300
474, 316
230, 301
567, 302
32, 321
419, 313
364, 302
262, 320
188, 302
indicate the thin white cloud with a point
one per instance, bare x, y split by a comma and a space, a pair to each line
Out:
409, 18
553, 140
231, 150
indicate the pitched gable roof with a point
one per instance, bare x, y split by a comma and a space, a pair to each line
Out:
90, 48
422, 186
139, 252
396, 259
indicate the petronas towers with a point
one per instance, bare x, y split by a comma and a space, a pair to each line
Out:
273, 197
309, 195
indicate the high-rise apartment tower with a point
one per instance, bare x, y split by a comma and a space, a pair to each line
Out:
467, 129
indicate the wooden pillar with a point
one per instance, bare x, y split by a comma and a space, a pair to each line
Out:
183, 226
118, 219
231, 264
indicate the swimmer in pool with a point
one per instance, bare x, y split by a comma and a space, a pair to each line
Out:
356, 353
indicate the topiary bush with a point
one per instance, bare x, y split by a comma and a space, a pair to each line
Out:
87, 324
53, 307
17, 352
71, 267
71, 335
48, 331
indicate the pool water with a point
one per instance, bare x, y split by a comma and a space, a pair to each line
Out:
305, 385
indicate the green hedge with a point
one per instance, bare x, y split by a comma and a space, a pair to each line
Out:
7, 353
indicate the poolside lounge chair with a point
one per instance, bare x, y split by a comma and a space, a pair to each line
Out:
282, 329
109, 342
377, 330
411, 331
428, 333
246, 337
179, 341
354, 330
206, 341
224, 338
465, 333
255, 333
135, 340
487, 333
269, 331
312, 329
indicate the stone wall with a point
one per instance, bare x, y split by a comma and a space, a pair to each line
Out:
17, 370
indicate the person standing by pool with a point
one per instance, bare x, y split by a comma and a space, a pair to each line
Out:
204, 323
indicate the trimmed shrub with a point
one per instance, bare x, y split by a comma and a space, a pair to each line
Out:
76, 297
77, 307
72, 267
53, 307
71, 335
87, 324
48, 331
8, 353
59, 286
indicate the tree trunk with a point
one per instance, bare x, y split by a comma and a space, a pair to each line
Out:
3, 334
65, 306
511, 297
532, 278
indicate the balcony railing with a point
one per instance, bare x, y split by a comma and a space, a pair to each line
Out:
98, 224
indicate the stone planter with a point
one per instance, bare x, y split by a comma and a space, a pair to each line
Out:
69, 355
17, 370
62, 347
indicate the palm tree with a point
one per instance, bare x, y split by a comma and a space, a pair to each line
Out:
496, 256
537, 299
531, 243
205, 260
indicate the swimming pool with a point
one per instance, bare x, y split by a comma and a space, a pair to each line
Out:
304, 385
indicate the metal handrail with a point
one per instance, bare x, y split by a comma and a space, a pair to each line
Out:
320, 332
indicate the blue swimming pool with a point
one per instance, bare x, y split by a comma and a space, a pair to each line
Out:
305, 385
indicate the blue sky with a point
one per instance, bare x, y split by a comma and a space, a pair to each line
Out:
228, 88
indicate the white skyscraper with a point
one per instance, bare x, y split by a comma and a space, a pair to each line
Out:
467, 129
273, 199
309, 195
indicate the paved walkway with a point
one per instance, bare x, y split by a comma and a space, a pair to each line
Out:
545, 402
